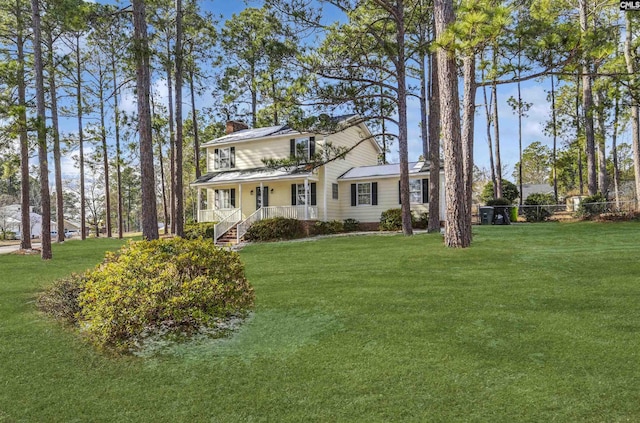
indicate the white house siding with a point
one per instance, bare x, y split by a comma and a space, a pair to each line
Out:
365, 154
249, 154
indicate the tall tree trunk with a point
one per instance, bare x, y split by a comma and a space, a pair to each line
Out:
434, 146
635, 115
163, 186
587, 106
424, 128
401, 73
172, 143
520, 113
487, 109
580, 167
143, 82
45, 237
555, 140
457, 230
25, 207
468, 125
497, 193
178, 189
614, 149
196, 135
83, 206
105, 151
600, 145
116, 113
254, 95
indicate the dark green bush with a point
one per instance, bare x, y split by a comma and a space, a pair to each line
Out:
60, 300
199, 230
277, 228
509, 191
499, 202
351, 225
420, 220
538, 214
328, 228
592, 206
173, 285
391, 220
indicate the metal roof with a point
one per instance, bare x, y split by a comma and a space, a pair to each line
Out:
385, 170
233, 176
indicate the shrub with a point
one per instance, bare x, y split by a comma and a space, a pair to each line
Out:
327, 228
277, 228
509, 191
351, 225
538, 214
391, 220
420, 221
499, 202
592, 206
199, 230
60, 300
176, 285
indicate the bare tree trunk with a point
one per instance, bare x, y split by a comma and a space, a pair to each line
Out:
196, 135
434, 146
172, 145
83, 206
178, 189
116, 113
614, 150
600, 145
457, 230
497, 192
163, 189
580, 168
105, 151
25, 209
468, 125
635, 116
45, 237
555, 140
487, 109
587, 106
405, 198
143, 82
56, 139
424, 128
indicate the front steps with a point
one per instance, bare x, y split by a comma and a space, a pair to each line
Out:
228, 238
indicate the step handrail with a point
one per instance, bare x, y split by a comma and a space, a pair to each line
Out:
225, 224
244, 226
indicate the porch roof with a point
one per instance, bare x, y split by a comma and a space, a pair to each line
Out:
384, 171
247, 175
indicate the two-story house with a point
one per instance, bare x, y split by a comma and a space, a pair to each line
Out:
238, 189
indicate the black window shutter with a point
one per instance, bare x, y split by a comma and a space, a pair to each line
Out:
354, 194
313, 193
216, 198
293, 148
232, 158
399, 193
233, 197
216, 159
425, 191
374, 193
257, 197
294, 194
265, 197
312, 146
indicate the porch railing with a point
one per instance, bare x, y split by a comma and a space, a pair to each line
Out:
214, 215
227, 223
289, 212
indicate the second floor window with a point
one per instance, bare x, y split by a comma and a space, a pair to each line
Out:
303, 148
225, 158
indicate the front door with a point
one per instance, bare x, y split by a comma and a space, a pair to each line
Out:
262, 197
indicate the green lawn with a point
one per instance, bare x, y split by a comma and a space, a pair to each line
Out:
533, 323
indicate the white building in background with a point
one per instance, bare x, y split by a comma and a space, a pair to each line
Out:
11, 221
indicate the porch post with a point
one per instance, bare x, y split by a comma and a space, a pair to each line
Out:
306, 198
199, 206
239, 202
261, 195
324, 191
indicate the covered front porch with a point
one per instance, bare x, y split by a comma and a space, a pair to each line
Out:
238, 199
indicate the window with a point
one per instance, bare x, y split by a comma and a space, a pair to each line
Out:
303, 148
415, 190
364, 194
299, 197
334, 191
225, 158
225, 198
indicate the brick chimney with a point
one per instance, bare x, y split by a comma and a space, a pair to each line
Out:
235, 126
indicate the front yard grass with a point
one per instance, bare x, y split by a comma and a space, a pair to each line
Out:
533, 323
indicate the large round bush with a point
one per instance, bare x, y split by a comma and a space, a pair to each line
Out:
536, 212
172, 284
